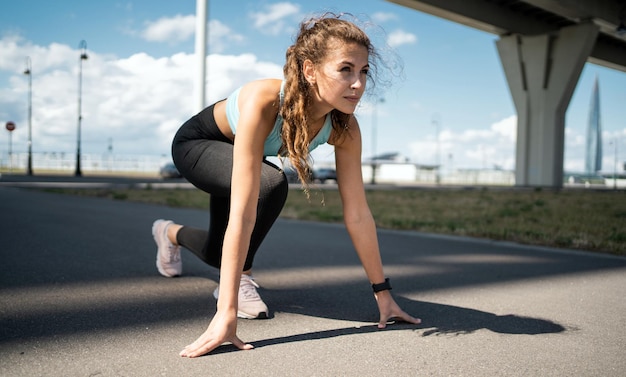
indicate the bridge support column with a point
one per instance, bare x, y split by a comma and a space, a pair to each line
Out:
542, 72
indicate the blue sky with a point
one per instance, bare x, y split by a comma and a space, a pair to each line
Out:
138, 80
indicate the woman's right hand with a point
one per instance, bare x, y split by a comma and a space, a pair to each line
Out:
222, 329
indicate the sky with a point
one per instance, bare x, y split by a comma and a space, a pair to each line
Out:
138, 81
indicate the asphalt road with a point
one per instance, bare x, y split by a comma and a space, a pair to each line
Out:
80, 296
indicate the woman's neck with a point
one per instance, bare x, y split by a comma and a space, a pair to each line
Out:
318, 108
315, 124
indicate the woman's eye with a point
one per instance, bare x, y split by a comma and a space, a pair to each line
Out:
345, 69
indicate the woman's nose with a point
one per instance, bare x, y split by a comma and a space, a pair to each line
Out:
357, 83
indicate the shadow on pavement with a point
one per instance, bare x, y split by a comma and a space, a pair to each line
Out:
440, 320
57, 241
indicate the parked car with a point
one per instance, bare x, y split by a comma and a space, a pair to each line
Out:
169, 170
323, 174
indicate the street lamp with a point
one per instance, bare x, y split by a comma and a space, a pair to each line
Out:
614, 142
83, 56
436, 121
29, 72
374, 120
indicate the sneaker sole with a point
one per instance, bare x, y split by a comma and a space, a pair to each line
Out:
164, 273
244, 315
158, 265
262, 315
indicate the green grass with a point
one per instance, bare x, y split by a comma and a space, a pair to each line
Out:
593, 220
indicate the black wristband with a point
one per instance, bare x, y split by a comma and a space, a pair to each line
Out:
385, 286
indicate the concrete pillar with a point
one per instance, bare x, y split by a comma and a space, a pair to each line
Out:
542, 72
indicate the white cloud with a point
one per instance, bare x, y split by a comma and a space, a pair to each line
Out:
506, 128
399, 37
181, 28
137, 101
170, 29
220, 36
11, 53
381, 17
574, 159
272, 19
575, 150
472, 148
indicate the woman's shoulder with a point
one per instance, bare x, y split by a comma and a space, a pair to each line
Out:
265, 90
262, 97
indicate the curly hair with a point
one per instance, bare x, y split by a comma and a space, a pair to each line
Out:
312, 43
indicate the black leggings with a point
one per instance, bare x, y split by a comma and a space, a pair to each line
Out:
204, 156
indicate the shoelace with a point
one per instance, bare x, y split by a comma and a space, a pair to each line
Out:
247, 286
174, 253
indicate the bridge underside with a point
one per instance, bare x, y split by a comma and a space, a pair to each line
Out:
543, 47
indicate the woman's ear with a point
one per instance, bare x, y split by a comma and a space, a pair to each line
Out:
308, 69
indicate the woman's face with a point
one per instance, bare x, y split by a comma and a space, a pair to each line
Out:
341, 77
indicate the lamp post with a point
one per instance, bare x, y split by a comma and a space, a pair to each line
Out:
29, 72
615, 163
374, 121
200, 51
437, 123
83, 56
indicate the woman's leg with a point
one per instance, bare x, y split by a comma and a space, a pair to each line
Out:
205, 158
207, 164
272, 197
201, 242
207, 245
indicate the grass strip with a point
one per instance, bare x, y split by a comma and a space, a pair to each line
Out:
592, 220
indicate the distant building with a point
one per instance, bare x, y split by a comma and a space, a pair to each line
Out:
593, 156
389, 157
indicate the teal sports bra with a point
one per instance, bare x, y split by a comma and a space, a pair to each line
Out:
274, 142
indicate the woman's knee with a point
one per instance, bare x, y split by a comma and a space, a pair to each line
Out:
274, 185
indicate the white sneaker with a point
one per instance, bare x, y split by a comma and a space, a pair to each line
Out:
168, 260
250, 305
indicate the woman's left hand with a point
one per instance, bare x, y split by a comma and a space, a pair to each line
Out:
389, 310
223, 328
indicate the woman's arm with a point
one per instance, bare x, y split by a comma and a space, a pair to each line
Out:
357, 216
257, 107
359, 221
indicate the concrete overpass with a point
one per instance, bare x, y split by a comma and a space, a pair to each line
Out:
543, 47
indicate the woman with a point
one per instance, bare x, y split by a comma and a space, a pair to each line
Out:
222, 151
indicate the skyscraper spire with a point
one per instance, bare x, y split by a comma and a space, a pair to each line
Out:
593, 158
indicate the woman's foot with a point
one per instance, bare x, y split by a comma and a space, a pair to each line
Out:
168, 260
250, 305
